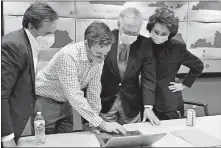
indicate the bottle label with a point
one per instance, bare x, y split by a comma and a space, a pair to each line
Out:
39, 126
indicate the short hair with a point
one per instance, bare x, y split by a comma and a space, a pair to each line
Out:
37, 13
98, 32
130, 15
164, 16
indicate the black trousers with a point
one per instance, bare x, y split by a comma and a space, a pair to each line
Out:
166, 115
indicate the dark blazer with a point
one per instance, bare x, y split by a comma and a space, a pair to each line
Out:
18, 81
139, 61
168, 62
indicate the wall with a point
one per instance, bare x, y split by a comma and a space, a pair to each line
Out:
200, 23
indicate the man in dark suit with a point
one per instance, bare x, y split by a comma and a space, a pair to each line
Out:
129, 57
19, 59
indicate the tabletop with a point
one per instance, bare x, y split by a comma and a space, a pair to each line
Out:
209, 124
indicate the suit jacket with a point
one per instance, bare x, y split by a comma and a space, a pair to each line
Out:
18, 81
131, 93
168, 62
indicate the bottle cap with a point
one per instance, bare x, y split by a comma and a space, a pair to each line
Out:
194, 106
38, 113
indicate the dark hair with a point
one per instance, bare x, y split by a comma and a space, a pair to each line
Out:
98, 32
37, 13
164, 16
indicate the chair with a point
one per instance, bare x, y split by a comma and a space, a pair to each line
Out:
190, 102
205, 106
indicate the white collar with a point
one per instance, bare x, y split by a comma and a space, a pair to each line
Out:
33, 42
119, 41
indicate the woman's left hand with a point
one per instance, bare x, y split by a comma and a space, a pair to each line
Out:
176, 86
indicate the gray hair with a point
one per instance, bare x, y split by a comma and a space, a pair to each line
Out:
130, 15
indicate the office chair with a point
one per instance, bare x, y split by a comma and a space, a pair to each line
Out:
205, 106
190, 102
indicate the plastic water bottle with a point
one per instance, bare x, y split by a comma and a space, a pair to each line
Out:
39, 125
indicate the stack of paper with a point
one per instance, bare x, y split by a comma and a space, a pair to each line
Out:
197, 138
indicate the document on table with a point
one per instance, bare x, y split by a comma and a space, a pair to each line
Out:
197, 138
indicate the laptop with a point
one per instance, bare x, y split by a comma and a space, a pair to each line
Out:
132, 138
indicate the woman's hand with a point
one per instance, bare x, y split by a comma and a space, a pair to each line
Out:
174, 87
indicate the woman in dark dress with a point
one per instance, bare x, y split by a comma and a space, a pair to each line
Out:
169, 55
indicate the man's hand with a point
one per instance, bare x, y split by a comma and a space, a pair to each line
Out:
112, 127
91, 129
10, 143
95, 130
149, 114
176, 86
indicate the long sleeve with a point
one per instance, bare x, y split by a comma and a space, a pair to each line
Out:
8, 137
148, 80
194, 63
94, 91
10, 71
67, 72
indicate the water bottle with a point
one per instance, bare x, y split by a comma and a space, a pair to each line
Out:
39, 125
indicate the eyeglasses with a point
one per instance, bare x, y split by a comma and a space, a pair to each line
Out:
130, 33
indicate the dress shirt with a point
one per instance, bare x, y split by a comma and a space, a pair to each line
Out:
63, 79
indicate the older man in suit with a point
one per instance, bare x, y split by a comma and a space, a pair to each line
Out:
19, 59
129, 57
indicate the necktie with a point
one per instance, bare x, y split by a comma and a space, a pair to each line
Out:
123, 53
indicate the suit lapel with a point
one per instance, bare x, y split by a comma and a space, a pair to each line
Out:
113, 55
132, 57
32, 71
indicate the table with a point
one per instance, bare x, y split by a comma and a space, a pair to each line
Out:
209, 124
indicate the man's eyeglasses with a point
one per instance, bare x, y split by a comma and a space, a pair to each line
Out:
130, 33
